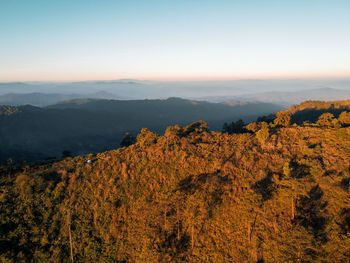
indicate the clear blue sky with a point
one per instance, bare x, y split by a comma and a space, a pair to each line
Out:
173, 39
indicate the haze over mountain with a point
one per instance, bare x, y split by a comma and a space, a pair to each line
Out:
287, 97
94, 125
45, 99
279, 91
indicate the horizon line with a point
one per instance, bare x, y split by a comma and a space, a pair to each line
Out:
186, 79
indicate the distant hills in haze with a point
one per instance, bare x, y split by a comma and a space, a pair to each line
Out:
81, 87
287, 97
95, 125
276, 97
42, 119
45, 99
282, 91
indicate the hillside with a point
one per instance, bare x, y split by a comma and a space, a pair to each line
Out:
92, 125
278, 193
310, 111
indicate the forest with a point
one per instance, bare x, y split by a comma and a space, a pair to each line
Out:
274, 190
84, 126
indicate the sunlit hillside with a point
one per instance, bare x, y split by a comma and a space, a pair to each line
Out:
83, 126
275, 192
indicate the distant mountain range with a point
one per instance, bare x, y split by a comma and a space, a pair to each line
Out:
81, 87
94, 125
276, 97
287, 91
45, 99
288, 97
86, 117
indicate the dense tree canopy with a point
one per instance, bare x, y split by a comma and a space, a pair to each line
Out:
273, 194
282, 119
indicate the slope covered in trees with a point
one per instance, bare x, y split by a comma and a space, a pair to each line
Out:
86, 125
312, 110
273, 193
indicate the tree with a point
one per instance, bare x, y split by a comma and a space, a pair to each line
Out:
146, 137
196, 127
253, 127
344, 118
326, 119
286, 170
226, 127
336, 123
263, 133
283, 119
268, 118
127, 140
234, 127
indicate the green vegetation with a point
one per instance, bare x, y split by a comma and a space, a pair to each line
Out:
278, 192
92, 125
312, 110
234, 127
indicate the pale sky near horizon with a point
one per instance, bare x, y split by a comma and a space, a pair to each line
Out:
182, 39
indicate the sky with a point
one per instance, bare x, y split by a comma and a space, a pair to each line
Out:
65, 40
